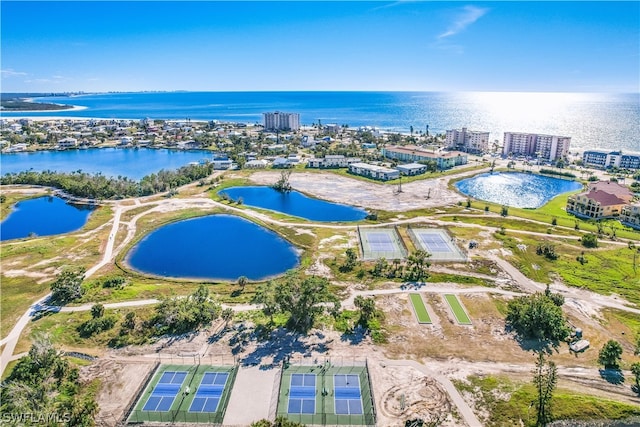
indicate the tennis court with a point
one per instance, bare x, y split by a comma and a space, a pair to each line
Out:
302, 394
457, 309
185, 393
347, 397
325, 394
379, 243
438, 243
209, 392
165, 391
419, 308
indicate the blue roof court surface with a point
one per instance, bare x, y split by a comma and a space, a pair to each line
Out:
185, 393
326, 395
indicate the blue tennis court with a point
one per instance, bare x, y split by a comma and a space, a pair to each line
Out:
347, 395
438, 243
302, 394
380, 242
165, 392
209, 392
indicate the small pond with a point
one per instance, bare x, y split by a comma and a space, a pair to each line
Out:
295, 203
515, 189
213, 247
43, 216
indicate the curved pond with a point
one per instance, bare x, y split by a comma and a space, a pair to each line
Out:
213, 247
515, 189
43, 216
295, 203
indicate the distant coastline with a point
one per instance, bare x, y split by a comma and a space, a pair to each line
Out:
28, 105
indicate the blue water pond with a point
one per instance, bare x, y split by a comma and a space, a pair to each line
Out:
295, 203
213, 247
43, 216
518, 190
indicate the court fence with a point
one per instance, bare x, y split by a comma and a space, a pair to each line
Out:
455, 255
182, 413
368, 254
324, 369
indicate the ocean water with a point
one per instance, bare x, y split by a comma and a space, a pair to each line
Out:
593, 120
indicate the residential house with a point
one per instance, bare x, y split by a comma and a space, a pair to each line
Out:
601, 200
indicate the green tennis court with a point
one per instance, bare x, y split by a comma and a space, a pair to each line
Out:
419, 308
458, 310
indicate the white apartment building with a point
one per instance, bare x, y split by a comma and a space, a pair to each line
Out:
281, 121
469, 141
604, 159
547, 147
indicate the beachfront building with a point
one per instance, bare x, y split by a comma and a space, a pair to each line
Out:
544, 147
281, 121
630, 215
602, 199
604, 159
414, 153
373, 171
332, 161
68, 143
469, 141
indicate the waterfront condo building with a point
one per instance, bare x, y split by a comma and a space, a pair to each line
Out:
604, 159
414, 153
545, 147
469, 141
281, 121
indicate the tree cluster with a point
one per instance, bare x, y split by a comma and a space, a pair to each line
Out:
548, 250
538, 316
98, 186
415, 268
303, 299
179, 315
68, 286
46, 387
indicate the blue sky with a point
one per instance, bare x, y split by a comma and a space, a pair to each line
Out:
333, 45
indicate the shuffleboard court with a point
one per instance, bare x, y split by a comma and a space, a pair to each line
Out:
438, 243
457, 309
419, 308
379, 243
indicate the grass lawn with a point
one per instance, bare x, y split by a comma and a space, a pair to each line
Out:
606, 270
458, 311
419, 308
508, 403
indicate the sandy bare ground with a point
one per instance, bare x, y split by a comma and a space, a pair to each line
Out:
427, 193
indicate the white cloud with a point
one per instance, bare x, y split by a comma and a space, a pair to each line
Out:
467, 16
11, 73
394, 4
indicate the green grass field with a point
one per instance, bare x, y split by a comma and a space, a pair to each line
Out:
457, 309
419, 308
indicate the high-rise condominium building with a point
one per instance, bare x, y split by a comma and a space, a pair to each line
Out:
281, 121
547, 147
469, 141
